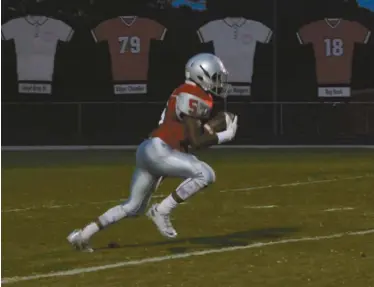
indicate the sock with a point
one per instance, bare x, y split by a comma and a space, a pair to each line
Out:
90, 230
167, 205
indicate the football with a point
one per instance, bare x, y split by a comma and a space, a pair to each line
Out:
217, 123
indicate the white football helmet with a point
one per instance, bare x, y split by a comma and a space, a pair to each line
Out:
208, 71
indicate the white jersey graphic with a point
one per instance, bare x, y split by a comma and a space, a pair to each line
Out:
234, 41
36, 39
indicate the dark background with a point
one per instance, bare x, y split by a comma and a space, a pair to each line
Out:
283, 108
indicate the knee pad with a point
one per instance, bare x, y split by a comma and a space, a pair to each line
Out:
208, 174
202, 179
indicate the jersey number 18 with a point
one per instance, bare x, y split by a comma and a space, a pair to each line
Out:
334, 47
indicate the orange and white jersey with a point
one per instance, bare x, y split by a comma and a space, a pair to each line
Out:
188, 99
192, 101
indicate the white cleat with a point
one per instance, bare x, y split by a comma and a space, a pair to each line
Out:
75, 239
162, 222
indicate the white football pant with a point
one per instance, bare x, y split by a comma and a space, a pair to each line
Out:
155, 160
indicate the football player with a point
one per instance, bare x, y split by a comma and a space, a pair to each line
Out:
165, 152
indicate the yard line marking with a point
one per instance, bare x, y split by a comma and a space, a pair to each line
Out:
261, 206
338, 209
69, 205
298, 183
225, 190
55, 206
77, 271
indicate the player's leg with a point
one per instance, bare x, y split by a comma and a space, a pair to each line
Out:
188, 188
197, 174
159, 159
143, 185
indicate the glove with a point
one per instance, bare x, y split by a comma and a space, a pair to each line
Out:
228, 120
229, 133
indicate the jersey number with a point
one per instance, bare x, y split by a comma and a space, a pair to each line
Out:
192, 109
129, 44
334, 47
192, 104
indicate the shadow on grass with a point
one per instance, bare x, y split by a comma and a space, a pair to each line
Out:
240, 238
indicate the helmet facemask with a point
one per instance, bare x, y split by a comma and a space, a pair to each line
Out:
217, 84
220, 86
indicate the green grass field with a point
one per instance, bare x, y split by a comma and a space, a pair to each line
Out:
273, 218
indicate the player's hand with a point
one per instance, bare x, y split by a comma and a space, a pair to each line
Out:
229, 133
228, 120
232, 127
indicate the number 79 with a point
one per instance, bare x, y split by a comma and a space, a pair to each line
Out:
133, 42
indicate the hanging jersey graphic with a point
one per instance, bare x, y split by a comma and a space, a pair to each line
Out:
333, 43
36, 39
234, 41
129, 41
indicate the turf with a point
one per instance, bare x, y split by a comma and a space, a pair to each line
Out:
47, 194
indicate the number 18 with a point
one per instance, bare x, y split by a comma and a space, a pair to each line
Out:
334, 47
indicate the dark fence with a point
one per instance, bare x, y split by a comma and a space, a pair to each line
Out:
127, 123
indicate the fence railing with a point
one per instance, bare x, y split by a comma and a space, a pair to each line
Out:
124, 123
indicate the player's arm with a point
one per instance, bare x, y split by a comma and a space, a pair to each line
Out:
188, 109
196, 138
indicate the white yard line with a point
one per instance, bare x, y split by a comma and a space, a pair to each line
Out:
260, 206
338, 209
297, 183
291, 184
52, 206
78, 271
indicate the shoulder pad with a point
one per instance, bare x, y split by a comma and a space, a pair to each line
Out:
191, 105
